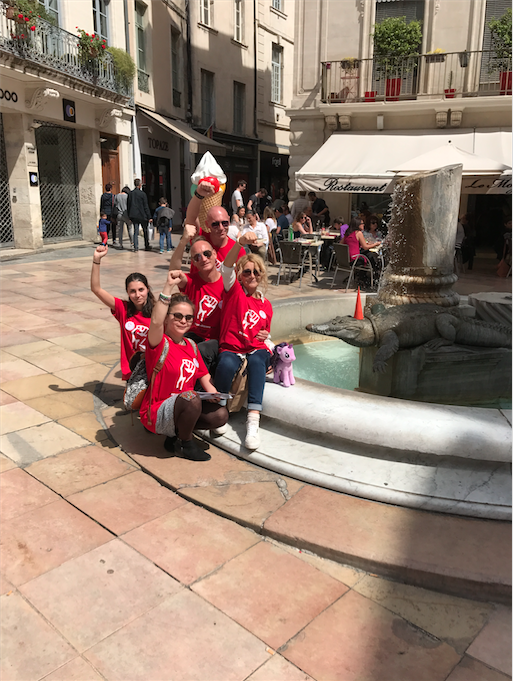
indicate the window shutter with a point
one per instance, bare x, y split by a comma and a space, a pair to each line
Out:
411, 9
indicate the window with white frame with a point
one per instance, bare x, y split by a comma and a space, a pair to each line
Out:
239, 106
238, 21
140, 10
206, 12
52, 7
277, 4
207, 99
100, 22
175, 68
276, 73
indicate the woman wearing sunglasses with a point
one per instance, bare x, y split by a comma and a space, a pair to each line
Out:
245, 326
170, 406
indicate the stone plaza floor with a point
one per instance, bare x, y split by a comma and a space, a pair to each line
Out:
120, 563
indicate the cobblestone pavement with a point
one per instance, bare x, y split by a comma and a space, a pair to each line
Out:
108, 574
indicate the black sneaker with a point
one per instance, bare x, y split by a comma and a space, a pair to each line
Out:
169, 444
190, 449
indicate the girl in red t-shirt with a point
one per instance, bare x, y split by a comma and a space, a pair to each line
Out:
170, 406
133, 315
245, 327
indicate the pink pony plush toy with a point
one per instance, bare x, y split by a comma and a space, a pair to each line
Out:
282, 364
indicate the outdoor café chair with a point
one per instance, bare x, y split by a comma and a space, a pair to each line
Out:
291, 256
343, 263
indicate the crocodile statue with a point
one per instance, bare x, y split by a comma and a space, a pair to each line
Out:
408, 326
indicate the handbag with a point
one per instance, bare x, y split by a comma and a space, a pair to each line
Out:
239, 388
138, 383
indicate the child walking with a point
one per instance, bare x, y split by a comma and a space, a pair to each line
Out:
103, 226
162, 219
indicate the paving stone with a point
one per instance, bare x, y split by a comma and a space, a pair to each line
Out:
27, 350
108, 329
35, 386
18, 368
12, 337
182, 639
44, 538
61, 404
95, 594
18, 416
30, 647
55, 359
274, 609
432, 548
86, 377
357, 640
127, 502
78, 469
456, 621
249, 504
279, 669
493, 645
20, 493
23, 322
190, 542
5, 586
6, 357
6, 399
86, 425
472, 670
50, 331
6, 464
76, 670
39, 442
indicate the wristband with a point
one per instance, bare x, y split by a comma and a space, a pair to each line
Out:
164, 299
198, 196
97, 263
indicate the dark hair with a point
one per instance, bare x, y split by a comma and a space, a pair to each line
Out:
108, 187
239, 209
340, 220
354, 226
137, 183
312, 194
150, 301
250, 212
126, 190
162, 200
178, 299
369, 219
241, 183
263, 192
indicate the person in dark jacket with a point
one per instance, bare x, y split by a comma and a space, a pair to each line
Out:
106, 206
139, 214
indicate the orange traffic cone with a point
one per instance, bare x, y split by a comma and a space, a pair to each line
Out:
358, 312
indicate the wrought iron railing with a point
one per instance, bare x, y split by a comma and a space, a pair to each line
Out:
143, 81
427, 76
59, 50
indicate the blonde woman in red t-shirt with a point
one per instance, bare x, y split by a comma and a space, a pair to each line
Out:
133, 315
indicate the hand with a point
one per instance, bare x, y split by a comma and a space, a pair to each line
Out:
205, 189
173, 278
262, 335
150, 220
100, 252
189, 233
248, 238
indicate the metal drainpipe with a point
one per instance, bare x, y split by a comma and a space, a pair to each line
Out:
127, 38
255, 86
189, 62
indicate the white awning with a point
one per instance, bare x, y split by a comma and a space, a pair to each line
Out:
199, 143
362, 162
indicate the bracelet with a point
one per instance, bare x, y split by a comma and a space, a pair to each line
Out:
97, 263
198, 196
164, 299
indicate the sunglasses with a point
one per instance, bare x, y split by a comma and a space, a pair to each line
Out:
248, 273
198, 256
218, 223
179, 316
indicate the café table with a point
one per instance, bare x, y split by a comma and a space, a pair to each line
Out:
312, 248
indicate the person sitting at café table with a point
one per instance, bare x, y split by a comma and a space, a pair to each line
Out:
372, 233
302, 225
357, 243
340, 225
260, 230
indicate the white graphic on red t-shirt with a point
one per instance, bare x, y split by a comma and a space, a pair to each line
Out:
251, 318
138, 333
187, 371
206, 306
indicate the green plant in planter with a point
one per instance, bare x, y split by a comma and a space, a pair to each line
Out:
394, 40
500, 30
29, 9
124, 67
350, 63
91, 48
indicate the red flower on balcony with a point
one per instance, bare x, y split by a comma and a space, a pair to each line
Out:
20, 16
32, 28
27, 19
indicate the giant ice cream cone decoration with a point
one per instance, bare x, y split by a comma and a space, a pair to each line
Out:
210, 171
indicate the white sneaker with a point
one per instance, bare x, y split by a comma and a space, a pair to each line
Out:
252, 440
216, 432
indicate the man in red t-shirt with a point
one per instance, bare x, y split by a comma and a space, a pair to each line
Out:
205, 288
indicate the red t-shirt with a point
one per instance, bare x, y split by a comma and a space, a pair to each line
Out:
243, 317
180, 372
208, 301
221, 252
134, 331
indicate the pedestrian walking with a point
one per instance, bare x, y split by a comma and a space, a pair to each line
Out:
139, 214
106, 206
121, 206
237, 199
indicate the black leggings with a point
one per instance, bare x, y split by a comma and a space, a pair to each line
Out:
190, 413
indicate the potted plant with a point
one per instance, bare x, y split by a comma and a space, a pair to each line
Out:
463, 56
500, 34
449, 93
91, 47
396, 45
437, 55
27, 11
124, 67
349, 63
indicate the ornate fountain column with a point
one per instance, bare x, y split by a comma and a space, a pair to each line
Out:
421, 238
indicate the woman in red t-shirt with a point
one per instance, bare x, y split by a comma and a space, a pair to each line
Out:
245, 326
133, 315
170, 406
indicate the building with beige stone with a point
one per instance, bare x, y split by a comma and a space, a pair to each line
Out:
370, 121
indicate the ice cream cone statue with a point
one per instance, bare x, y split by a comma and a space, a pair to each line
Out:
208, 170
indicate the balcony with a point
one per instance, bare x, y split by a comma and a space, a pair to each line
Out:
57, 50
143, 81
445, 75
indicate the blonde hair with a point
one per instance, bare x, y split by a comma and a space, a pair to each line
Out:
258, 262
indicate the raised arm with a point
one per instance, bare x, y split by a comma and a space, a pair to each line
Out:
106, 297
204, 189
231, 257
158, 316
189, 232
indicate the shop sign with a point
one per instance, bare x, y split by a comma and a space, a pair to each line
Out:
8, 95
31, 154
161, 145
33, 179
68, 109
276, 161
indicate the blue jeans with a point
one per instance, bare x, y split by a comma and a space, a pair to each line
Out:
144, 226
163, 237
258, 363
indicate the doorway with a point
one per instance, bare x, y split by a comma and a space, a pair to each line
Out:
156, 180
110, 162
